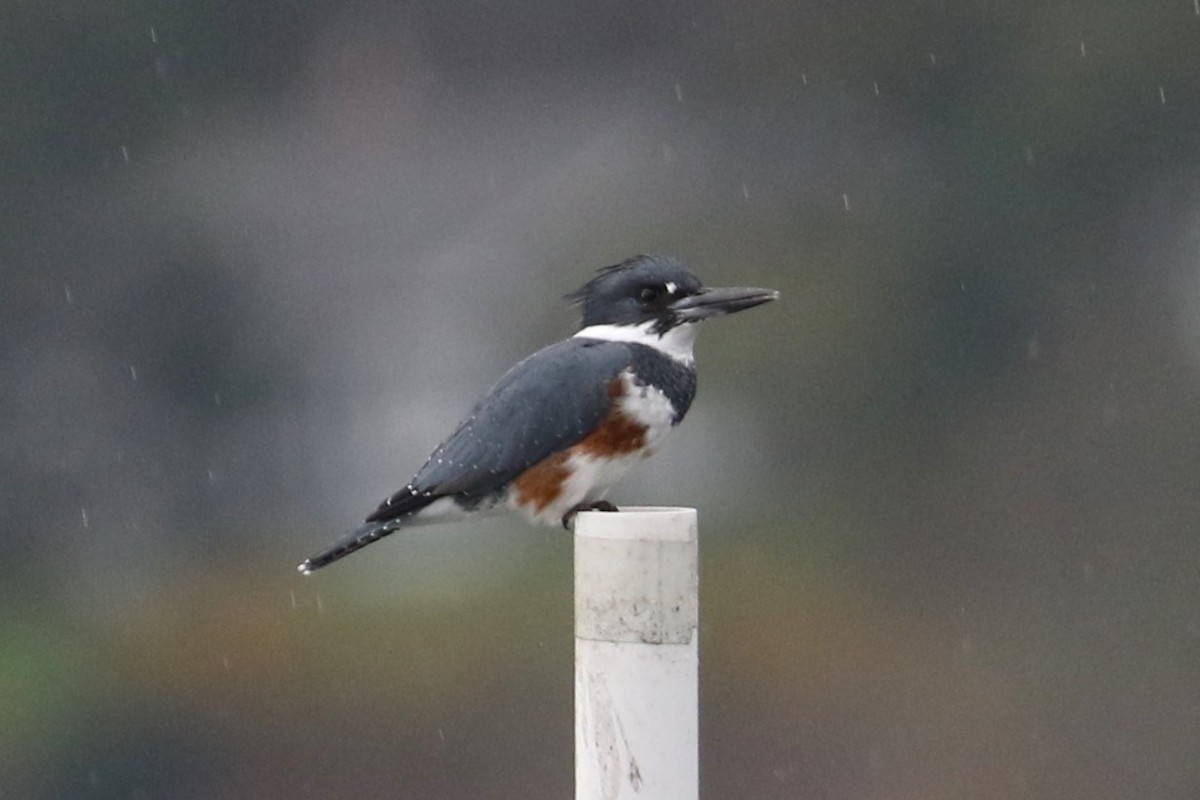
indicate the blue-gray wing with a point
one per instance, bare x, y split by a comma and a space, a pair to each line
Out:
546, 403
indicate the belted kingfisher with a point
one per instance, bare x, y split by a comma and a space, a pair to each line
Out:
562, 426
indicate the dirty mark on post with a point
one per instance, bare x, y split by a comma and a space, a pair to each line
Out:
600, 704
635, 774
612, 744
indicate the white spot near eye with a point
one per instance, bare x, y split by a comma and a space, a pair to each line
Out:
671, 287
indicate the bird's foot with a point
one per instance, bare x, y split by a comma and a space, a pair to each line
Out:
599, 505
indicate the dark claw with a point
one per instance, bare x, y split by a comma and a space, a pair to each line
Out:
599, 505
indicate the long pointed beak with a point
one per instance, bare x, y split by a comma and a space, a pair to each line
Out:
711, 302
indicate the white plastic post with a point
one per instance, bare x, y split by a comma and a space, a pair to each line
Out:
636, 615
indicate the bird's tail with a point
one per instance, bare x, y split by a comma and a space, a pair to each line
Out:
354, 540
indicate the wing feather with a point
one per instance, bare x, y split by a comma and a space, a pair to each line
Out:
544, 404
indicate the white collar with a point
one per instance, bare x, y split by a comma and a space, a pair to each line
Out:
676, 342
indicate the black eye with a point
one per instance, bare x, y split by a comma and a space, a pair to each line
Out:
648, 294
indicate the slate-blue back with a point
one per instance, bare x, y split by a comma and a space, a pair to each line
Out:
544, 404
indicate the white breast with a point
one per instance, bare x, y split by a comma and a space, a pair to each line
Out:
650, 408
591, 477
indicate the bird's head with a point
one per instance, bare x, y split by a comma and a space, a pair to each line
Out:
657, 294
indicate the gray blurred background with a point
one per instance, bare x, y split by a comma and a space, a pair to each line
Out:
258, 257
